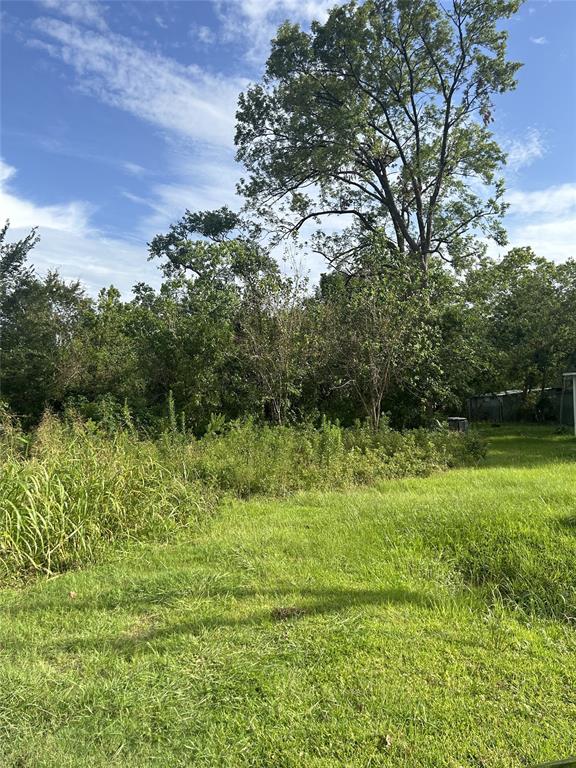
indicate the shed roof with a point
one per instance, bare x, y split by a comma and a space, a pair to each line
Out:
519, 391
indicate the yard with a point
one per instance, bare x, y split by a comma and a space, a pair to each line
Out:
423, 622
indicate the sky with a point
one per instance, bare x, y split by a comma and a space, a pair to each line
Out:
118, 116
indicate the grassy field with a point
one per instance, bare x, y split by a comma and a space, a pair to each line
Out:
424, 622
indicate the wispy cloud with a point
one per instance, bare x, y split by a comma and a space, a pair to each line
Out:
522, 151
539, 40
203, 34
257, 20
544, 219
69, 243
556, 200
197, 183
67, 148
186, 100
94, 259
88, 12
553, 239
6, 171
134, 169
194, 109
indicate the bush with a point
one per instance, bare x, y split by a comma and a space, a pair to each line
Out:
247, 458
80, 485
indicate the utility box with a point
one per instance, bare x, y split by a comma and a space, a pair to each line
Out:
458, 423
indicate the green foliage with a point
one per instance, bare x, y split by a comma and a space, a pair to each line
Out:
381, 114
13, 441
228, 333
375, 337
13, 267
250, 459
81, 488
273, 344
229, 252
38, 320
521, 557
323, 629
86, 484
526, 348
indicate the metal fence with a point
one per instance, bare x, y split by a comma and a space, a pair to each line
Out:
551, 405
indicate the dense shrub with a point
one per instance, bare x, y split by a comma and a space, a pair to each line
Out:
73, 486
248, 458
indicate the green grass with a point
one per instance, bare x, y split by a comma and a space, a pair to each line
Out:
70, 490
424, 622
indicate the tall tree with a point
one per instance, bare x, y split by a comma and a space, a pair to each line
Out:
382, 114
13, 267
213, 262
273, 343
376, 337
215, 246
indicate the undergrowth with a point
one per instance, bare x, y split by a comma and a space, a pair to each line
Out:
72, 487
76, 490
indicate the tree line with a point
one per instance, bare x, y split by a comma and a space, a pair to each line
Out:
379, 118
228, 333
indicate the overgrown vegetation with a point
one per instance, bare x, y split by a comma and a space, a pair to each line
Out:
78, 489
421, 621
69, 488
413, 618
231, 335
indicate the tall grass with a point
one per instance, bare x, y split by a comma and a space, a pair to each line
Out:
70, 488
77, 490
519, 557
248, 458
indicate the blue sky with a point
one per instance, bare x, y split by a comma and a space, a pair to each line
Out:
117, 116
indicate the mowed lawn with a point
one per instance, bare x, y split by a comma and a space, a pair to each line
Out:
426, 622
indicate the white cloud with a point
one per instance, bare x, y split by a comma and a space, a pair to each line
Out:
539, 40
70, 244
522, 152
86, 12
201, 183
134, 169
6, 171
69, 149
97, 261
184, 100
544, 219
67, 217
553, 239
258, 20
556, 201
203, 34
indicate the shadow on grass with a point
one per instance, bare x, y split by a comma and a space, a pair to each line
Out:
284, 606
302, 604
529, 448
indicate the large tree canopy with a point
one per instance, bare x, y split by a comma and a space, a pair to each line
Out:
382, 113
